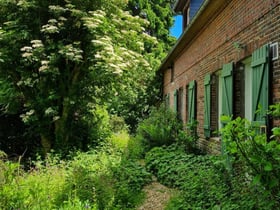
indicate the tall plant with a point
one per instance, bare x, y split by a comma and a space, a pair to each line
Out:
260, 155
62, 58
160, 128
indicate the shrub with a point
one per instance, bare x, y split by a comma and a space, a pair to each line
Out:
120, 140
130, 177
135, 148
253, 151
86, 171
160, 128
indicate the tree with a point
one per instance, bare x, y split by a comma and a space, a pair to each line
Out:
143, 90
159, 13
62, 59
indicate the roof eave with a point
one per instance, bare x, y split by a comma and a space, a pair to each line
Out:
204, 14
178, 6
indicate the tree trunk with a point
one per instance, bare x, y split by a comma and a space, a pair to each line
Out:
46, 144
61, 132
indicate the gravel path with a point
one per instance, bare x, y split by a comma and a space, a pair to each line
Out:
157, 197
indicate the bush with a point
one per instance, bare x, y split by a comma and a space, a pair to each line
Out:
130, 177
160, 128
252, 150
135, 148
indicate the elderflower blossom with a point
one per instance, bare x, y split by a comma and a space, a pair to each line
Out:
26, 54
56, 8
98, 13
37, 43
45, 62
97, 56
45, 66
98, 42
49, 29
71, 53
52, 21
26, 49
62, 19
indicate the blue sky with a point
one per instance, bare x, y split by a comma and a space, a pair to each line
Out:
176, 30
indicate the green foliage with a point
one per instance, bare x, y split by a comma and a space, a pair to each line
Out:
188, 138
120, 140
160, 128
135, 148
197, 177
258, 156
37, 190
261, 157
160, 16
57, 78
141, 92
131, 178
204, 182
94, 180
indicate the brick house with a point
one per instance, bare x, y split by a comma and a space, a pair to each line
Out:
225, 62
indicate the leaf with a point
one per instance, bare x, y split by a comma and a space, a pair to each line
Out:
257, 179
276, 131
268, 167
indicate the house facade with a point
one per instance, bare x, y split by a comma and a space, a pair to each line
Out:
226, 62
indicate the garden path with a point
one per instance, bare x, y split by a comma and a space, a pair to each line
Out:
157, 196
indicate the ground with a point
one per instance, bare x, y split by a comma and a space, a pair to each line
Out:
157, 196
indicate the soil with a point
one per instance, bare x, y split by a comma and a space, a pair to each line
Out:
157, 196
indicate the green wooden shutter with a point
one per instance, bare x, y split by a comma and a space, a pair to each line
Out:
207, 111
176, 101
191, 101
227, 89
260, 83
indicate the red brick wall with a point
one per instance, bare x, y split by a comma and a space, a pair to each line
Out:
252, 23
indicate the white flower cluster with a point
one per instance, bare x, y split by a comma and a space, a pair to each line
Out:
121, 44
44, 66
27, 51
51, 27
57, 9
72, 53
27, 116
94, 20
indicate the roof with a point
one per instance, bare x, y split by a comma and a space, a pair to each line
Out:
178, 6
207, 11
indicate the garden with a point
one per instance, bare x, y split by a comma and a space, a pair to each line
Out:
79, 82
113, 175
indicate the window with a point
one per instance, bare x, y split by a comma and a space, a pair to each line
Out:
180, 103
175, 99
246, 98
238, 90
191, 102
274, 51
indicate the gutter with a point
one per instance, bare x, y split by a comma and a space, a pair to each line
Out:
206, 12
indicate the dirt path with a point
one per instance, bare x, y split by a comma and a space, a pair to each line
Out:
157, 197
